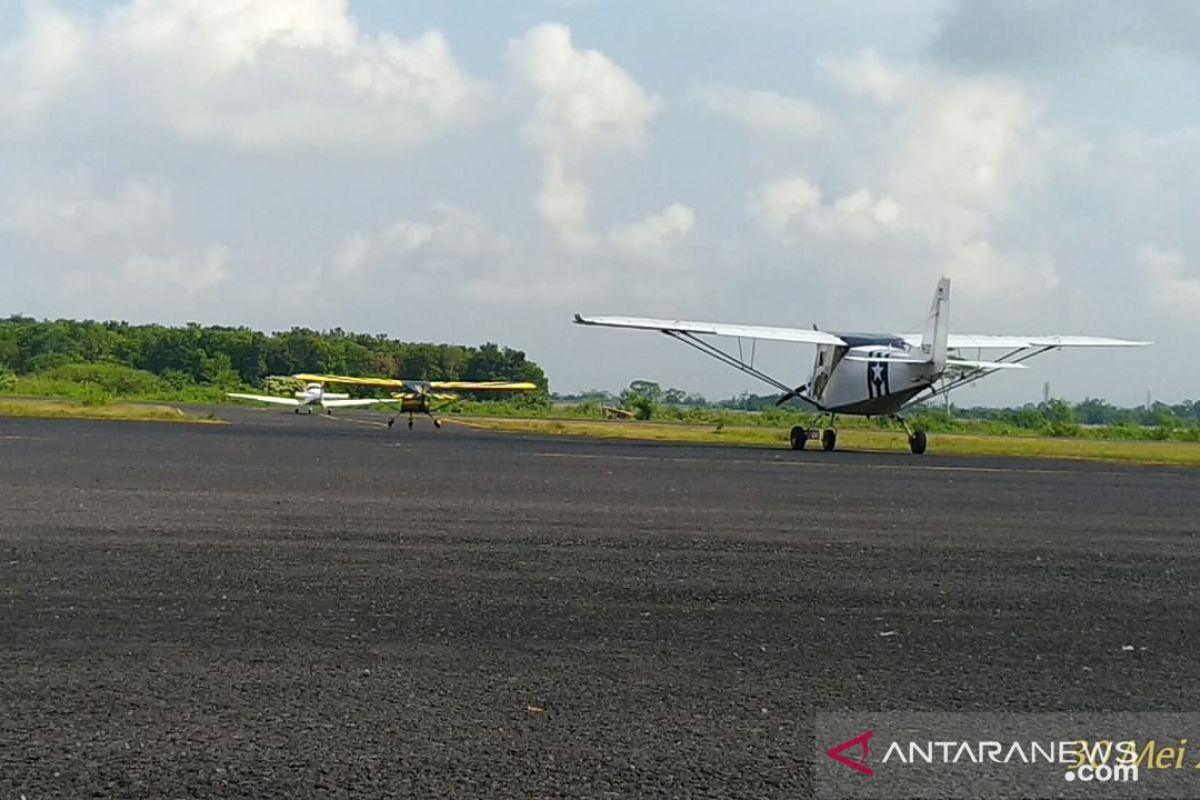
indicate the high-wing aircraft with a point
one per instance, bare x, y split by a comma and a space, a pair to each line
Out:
870, 374
314, 394
421, 397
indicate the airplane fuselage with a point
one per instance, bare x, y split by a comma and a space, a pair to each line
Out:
314, 394
875, 376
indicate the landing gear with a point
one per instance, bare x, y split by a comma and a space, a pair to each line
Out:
917, 441
798, 437
437, 423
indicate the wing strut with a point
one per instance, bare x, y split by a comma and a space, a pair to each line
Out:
710, 349
1011, 357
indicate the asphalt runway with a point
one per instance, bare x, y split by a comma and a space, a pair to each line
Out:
294, 607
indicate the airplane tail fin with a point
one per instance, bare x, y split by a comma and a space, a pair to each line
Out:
937, 326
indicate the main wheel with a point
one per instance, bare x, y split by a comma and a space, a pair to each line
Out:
829, 439
917, 442
798, 438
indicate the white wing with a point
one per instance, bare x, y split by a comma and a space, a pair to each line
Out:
353, 403
714, 329
265, 398
968, 341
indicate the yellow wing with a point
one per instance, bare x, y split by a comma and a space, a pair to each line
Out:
387, 383
484, 386
395, 383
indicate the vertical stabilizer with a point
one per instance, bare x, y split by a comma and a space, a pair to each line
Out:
937, 327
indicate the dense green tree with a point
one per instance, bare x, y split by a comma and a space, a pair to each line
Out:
225, 357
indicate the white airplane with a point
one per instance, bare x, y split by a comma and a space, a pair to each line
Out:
314, 394
869, 374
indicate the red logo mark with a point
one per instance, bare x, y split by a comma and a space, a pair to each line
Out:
860, 764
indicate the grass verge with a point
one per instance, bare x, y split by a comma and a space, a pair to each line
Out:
1137, 452
65, 409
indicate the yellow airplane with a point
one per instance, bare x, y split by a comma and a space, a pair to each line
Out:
421, 397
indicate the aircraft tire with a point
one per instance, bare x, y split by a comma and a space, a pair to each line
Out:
829, 439
798, 437
917, 442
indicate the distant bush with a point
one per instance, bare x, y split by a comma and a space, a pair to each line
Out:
99, 383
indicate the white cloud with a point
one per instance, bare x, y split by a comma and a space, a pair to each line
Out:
943, 154
777, 203
655, 237
1169, 284
443, 246
251, 74
885, 211
763, 112
871, 75
584, 103
71, 215
562, 204
151, 284
584, 98
188, 273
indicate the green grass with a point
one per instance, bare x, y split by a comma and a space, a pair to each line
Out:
67, 409
859, 438
785, 418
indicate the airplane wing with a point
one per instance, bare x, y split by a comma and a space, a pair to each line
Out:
1020, 348
355, 403
384, 383
265, 398
714, 329
484, 386
969, 341
396, 383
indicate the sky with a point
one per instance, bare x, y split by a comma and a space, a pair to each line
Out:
477, 171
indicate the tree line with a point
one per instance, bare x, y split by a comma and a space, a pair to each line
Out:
234, 356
